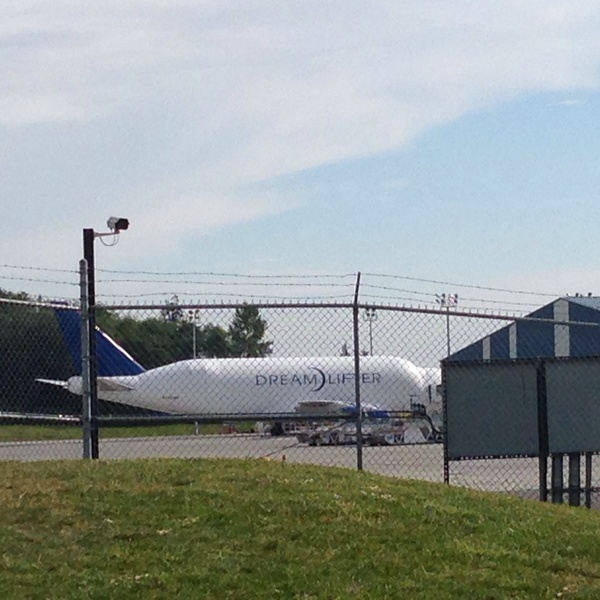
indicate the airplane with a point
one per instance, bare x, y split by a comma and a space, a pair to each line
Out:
267, 385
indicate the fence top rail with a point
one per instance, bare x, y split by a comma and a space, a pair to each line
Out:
41, 303
452, 312
229, 305
297, 305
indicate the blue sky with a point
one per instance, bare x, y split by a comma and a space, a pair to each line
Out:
448, 141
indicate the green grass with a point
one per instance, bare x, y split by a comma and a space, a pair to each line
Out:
261, 529
15, 433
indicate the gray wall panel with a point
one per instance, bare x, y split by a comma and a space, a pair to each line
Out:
491, 409
573, 399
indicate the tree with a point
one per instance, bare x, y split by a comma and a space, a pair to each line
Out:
246, 333
31, 347
212, 341
153, 342
159, 341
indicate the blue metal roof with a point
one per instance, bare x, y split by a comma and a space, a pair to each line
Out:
592, 302
532, 338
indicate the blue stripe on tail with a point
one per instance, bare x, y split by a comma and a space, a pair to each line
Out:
111, 359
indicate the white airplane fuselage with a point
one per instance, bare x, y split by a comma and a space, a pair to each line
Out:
266, 385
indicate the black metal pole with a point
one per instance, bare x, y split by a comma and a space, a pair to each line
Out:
588, 479
543, 440
448, 330
88, 254
557, 478
574, 479
85, 361
543, 477
359, 439
444, 366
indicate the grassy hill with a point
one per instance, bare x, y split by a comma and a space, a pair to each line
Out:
259, 529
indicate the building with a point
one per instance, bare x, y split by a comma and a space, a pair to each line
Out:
568, 327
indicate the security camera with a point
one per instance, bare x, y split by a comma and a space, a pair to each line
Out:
117, 224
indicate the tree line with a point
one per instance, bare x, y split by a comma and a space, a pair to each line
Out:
31, 346
169, 338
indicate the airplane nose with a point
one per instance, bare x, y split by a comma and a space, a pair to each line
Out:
75, 385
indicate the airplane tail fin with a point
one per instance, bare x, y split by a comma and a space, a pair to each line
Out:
111, 359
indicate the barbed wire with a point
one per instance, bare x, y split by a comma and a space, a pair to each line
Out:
232, 275
285, 276
463, 285
458, 312
416, 296
28, 268
223, 283
36, 280
462, 298
279, 281
215, 294
434, 305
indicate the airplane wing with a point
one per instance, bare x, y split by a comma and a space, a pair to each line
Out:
327, 407
107, 384
55, 382
37, 418
319, 406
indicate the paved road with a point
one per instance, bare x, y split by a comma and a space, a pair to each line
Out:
421, 461
424, 461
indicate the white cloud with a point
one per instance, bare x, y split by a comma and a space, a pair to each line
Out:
166, 224
215, 96
570, 102
157, 226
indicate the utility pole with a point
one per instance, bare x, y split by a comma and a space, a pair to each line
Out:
370, 315
447, 301
193, 315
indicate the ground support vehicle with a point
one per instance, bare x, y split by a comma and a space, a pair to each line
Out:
412, 428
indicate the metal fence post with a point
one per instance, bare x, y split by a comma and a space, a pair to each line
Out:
85, 360
542, 423
588, 479
557, 479
574, 479
445, 425
88, 254
359, 440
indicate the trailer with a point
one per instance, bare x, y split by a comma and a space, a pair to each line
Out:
401, 427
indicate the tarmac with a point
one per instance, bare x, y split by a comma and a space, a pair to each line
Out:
518, 476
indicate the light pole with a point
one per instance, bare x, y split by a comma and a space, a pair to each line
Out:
116, 225
447, 301
370, 315
193, 315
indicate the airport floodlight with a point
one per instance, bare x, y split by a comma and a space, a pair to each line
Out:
447, 301
193, 317
370, 315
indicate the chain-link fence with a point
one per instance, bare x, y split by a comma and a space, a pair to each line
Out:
348, 385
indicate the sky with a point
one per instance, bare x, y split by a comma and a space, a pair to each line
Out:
450, 146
